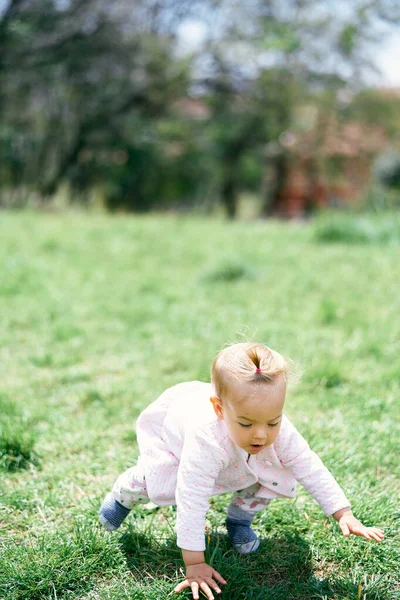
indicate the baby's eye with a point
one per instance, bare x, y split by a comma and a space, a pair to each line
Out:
274, 424
245, 425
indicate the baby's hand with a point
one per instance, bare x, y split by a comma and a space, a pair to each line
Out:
349, 524
201, 576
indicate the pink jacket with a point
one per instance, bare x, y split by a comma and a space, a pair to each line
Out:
188, 456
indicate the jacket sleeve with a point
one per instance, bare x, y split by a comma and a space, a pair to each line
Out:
308, 469
201, 461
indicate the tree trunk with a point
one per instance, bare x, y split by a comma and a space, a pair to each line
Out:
274, 199
229, 189
49, 187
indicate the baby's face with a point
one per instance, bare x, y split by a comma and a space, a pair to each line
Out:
253, 413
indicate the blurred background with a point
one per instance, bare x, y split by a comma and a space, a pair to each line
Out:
246, 109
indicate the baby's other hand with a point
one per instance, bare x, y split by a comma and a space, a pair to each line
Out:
201, 576
349, 524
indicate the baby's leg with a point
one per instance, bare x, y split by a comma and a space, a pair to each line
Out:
241, 511
128, 490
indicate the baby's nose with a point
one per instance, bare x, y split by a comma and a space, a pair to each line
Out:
260, 434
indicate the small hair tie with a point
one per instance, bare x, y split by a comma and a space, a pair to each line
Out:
258, 370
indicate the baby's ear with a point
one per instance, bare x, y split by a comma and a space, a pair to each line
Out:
217, 404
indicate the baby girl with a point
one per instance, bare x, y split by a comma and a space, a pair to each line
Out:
200, 439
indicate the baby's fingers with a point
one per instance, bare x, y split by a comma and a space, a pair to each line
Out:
195, 590
206, 589
369, 533
380, 532
181, 586
218, 577
213, 585
376, 534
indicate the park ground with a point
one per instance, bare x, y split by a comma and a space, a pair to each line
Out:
100, 314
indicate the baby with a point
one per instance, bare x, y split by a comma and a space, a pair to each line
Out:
241, 442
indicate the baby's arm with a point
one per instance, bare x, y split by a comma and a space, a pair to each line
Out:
309, 470
200, 463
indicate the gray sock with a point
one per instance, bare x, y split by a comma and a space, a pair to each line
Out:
238, 524
112, 513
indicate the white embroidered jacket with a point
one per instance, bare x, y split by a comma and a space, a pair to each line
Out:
188, 456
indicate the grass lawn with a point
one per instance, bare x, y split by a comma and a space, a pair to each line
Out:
99, 315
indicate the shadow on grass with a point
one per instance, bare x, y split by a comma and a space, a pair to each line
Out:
280, 570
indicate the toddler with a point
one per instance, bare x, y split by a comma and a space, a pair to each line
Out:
241, 442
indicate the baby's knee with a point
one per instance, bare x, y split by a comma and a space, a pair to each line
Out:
130, 488
129, 497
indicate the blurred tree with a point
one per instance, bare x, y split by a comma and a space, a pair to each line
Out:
266, 57
89, 88
71, 71
378, 106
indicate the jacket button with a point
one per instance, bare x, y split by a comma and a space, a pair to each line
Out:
274, 483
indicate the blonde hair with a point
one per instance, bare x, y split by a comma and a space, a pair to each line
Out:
248, 362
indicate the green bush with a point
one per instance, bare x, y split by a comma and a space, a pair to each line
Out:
387, 169
358, 229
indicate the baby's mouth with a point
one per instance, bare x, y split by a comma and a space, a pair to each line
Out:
256, 446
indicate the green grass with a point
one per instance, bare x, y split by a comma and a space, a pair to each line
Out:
99, 315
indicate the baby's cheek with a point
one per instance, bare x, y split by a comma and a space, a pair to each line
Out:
275, 433
242, 439
238, 438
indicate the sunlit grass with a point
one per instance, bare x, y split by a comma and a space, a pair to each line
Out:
99, 315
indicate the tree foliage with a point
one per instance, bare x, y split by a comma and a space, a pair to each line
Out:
89, 92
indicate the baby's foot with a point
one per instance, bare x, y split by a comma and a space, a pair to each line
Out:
243, 538
112, 513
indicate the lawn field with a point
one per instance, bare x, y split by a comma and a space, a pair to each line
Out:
100, 314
